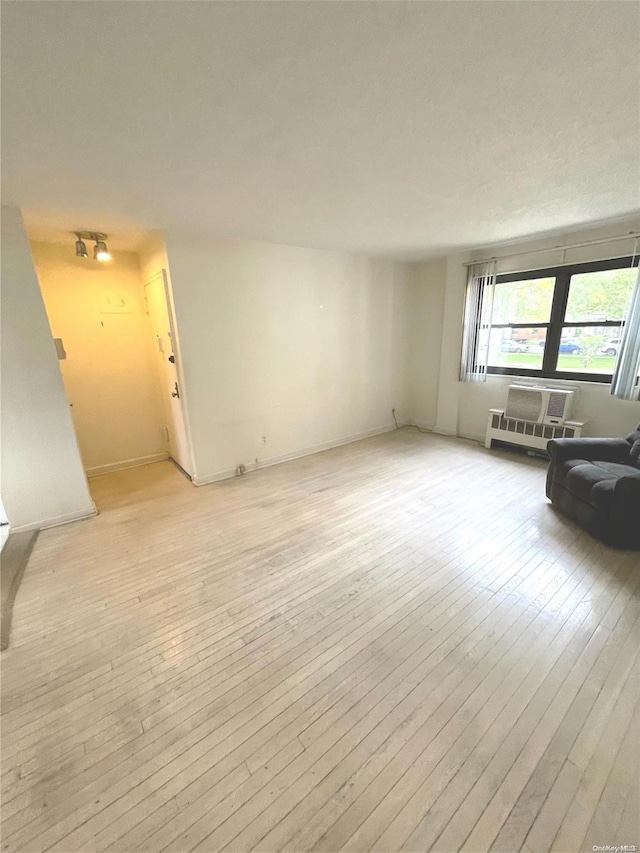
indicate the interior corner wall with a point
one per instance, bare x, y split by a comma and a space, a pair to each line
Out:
43, 482
285, 350
153, 256
110, 373
463, 406
449, 385
426, 297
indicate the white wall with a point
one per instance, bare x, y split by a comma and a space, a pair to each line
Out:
604, 415
109, 374
43, 482
426, 296
153, 256
462, 407
303, 347
447, 414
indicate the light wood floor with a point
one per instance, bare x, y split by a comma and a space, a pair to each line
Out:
394, 645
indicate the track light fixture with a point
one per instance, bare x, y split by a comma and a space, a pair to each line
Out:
100, 250
81, 247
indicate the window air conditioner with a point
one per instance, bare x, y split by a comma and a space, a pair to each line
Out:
539, 405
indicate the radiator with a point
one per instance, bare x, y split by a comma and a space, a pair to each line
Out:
526, 434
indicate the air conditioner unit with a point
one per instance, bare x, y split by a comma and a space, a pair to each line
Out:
539, 405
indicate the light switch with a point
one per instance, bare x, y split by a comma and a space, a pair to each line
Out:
60, 350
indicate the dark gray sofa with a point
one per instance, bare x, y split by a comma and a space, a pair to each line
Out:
596, 482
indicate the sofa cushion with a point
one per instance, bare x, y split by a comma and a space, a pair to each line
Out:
594, 482
634, 453
563, 468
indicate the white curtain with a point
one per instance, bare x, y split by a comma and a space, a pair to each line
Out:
625, 384
478, 311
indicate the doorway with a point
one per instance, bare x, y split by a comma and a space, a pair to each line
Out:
111, 333
156, 295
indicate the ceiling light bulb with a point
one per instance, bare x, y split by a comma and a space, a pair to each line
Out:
100, 251
81, 248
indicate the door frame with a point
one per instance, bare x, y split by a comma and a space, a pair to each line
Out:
175, 341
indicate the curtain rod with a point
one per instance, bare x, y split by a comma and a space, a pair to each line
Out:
630, 236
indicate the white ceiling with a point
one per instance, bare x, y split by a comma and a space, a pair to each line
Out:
57, 227
395, 128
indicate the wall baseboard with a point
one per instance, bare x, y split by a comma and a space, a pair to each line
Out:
439, 431
126, 463
56, 521
298, 454
472, 436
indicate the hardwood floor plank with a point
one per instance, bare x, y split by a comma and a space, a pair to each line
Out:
542, 769
598, 768
396, 644
626, 769
384, 785
367, 769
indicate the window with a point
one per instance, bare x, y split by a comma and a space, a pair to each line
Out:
562, 323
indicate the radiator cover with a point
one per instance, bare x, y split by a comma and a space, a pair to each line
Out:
526, 434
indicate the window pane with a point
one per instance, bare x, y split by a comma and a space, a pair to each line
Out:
523, 301
600, 295
589, 349
517, 348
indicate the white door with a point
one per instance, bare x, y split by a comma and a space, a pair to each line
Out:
156, 299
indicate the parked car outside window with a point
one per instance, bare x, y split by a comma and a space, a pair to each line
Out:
513, 346
570, 347
611, 347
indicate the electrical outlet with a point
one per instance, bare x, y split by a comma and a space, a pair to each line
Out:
264, 439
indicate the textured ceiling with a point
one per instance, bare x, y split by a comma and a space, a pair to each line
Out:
393, 128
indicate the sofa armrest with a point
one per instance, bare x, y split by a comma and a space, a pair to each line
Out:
623, 530
592, 449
